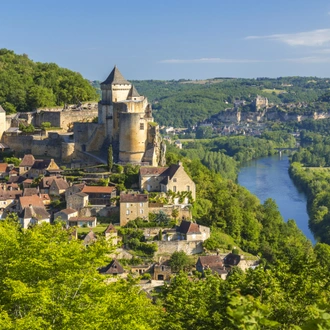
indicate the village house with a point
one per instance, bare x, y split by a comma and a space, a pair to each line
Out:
53, 186
111, 234
99, 195
33, 168
89, 238
214, 264
133, 206
65, 214
9, 195
77, 201
82, 222
113, 268
187, 231
4, 170
32, 211
26, 164
41, 167
164, 179
162, 272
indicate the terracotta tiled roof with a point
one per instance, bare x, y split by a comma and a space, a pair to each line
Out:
188, 227
3, 167
133, 198
46, 181
98, 189
60, 183
28, 160
210, 260
30, 191
115, 77
152, 171
34, 211
68, 211
34, 200
10, 194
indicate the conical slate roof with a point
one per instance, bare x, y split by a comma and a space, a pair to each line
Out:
133, 92
115, 77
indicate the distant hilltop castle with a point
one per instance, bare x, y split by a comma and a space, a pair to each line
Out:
124, 121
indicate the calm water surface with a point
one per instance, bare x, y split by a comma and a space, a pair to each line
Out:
269, 178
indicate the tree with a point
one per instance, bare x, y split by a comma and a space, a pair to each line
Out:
110, 158
46, 124
49, 280
180, 261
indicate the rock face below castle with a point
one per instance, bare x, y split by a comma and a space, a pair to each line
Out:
124, 121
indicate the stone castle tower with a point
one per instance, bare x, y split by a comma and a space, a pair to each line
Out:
126, 120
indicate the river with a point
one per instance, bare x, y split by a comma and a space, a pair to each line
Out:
268, 177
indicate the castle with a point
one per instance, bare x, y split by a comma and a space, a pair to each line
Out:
124, 120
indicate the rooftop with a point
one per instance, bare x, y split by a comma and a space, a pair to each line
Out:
115, 77
133, 198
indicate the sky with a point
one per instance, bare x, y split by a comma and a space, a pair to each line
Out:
172, 39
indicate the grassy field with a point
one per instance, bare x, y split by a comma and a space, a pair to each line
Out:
276, 91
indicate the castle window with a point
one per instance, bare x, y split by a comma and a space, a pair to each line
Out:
127, 212
174, 179
188, 188
141, 126
174, 188
141, 211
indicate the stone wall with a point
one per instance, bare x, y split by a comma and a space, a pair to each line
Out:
20, 143
170, 247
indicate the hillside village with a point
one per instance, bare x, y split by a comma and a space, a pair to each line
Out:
147, 223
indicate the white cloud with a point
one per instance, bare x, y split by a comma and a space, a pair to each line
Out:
210, 60
310, 38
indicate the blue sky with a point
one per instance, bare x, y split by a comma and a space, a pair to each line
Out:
172, 39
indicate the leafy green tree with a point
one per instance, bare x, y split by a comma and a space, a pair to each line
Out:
49, 280
110, 158
180, 261
46, 124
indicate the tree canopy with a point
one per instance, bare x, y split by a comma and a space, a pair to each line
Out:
26, 85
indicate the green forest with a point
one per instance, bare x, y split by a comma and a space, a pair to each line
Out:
184, 103
26, 85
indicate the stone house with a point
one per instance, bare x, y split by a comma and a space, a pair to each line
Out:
133, 206
41, 167
32, 211
187, 231
4, 170
53, 186
89, 238
82, 222
213, 263
65, 215
26, 164
113, 268
77, 201
99, 195
8, 199
111, 234
164, 179
162, 272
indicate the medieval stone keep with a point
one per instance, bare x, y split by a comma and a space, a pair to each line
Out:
127, 122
